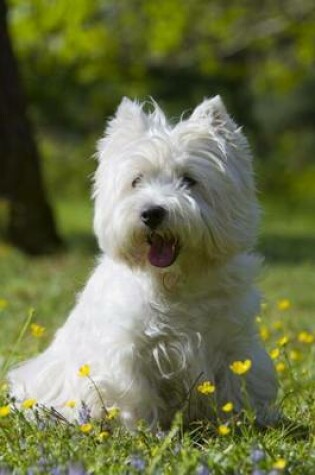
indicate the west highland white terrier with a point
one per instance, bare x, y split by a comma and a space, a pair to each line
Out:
172, 302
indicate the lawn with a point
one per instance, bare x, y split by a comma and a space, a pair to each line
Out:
48, 285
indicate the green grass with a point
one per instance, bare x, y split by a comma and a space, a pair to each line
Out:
49, 286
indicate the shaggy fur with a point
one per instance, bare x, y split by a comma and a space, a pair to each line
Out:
172, 300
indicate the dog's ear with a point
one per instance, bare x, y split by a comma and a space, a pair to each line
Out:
129, 117
128, 124
212, 115
213, 112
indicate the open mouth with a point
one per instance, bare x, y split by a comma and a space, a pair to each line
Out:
163, 250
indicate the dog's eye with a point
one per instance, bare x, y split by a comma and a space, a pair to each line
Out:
188, 181
136, 181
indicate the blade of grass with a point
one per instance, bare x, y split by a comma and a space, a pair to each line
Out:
23, 330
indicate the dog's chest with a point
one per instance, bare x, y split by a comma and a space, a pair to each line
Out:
181, 340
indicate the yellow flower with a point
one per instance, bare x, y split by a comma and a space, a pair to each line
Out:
28, 403
274, 354
280, 367
3, 304
228, 407
223, 430
71, 404
206, 388
258, 319
4, 411
112, 413
295, 355
283, 341
84, 371
305, 337
264, 333
37, 330
277, 325
86, 428
103, 435
283, 304
241, 367
280, 464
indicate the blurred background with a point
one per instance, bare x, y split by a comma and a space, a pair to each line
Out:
64, 67
77, 59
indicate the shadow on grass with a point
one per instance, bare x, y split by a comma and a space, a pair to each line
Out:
287, 249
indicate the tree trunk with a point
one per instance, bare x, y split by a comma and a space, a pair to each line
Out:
31, 225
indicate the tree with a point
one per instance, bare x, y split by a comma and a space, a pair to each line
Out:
31, 225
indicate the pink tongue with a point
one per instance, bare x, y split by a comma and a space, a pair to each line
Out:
162, 253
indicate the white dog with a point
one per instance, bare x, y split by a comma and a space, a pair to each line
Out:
172, 301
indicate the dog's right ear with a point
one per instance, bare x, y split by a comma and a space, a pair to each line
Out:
128, 124
129, 116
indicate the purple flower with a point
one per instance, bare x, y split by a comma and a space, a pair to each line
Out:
42, 425
177, 448
137, 462
76, 469
257, 471
161, 434
42, 462
202, 469
56, 471
84, 413
257, 455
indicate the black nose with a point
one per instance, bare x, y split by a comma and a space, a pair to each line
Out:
153, 216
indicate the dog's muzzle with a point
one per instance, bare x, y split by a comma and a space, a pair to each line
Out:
164, 248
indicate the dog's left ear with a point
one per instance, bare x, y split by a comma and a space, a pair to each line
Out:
213, 112
211, 115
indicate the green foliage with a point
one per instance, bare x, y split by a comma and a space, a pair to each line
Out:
79, 58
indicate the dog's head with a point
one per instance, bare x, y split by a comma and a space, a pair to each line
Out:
169, 194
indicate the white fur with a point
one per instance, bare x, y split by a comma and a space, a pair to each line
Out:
150, 334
